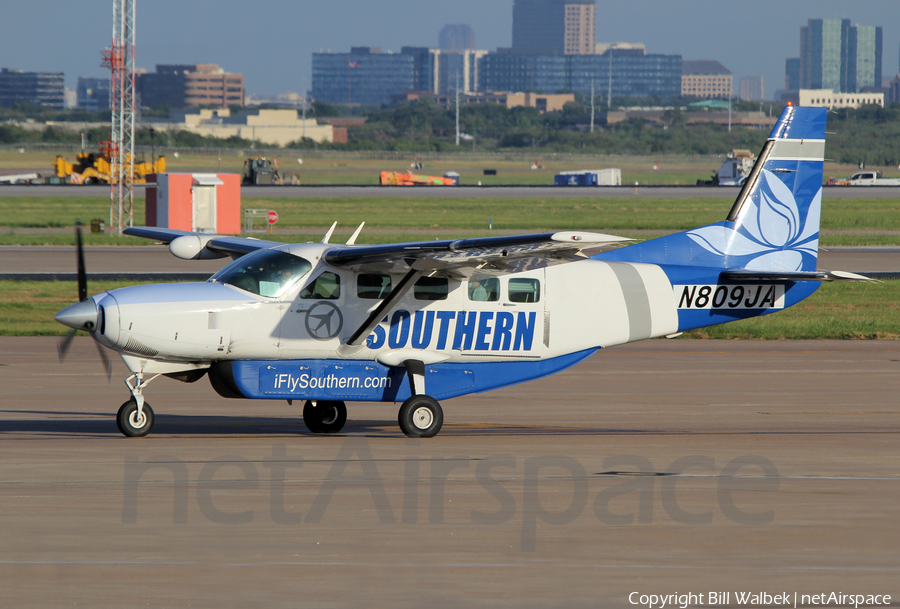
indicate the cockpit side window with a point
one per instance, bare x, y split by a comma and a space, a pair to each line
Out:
327, 286
267, 273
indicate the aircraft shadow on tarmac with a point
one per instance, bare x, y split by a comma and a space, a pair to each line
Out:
103, 424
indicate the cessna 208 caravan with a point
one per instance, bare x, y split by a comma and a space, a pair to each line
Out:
417, 322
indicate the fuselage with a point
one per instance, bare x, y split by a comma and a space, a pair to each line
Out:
531, 315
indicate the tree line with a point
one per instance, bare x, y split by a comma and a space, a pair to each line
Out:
869, 134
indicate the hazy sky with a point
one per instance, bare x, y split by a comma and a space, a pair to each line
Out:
271, 41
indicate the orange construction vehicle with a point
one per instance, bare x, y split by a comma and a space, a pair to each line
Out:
393, 178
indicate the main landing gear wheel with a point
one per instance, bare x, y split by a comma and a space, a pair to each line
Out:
324, 417
421, 416
130, 424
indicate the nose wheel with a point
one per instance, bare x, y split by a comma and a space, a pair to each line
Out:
132, 422
421, 416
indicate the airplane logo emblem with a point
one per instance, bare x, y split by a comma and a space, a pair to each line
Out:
324, 321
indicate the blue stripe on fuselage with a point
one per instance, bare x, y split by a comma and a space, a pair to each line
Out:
369, 381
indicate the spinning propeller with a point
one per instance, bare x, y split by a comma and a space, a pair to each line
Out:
83, 315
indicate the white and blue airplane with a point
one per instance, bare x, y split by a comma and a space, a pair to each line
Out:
412, 323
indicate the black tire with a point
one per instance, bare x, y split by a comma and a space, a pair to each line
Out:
421, 416
324, 416
127, 421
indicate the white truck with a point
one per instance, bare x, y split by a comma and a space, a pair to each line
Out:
734, 170
872, 178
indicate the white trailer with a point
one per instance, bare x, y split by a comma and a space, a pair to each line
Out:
21, 178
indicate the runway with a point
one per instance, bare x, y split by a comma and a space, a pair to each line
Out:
509, 192
657, 467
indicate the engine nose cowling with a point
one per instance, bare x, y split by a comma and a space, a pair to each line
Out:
80, 315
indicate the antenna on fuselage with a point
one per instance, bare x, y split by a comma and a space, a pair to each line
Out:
352, 239
329, 233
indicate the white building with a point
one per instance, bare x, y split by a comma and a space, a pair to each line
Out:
830, 99
278, 127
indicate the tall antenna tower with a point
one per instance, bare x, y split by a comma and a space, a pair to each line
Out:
119, 58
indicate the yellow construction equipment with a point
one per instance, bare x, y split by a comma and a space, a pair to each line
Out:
92, 168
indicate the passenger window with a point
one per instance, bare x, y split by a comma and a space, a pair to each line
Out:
371, 285
326, 286
486, 289
431, 288
524, 290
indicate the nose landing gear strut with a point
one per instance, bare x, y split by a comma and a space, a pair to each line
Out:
135, 417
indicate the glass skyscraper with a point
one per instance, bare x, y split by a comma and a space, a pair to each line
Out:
544, 27
633, 74
837, 56
864, 58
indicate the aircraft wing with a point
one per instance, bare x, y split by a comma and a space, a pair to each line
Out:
226, 246
463, 257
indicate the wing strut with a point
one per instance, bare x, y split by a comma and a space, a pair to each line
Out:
375, 317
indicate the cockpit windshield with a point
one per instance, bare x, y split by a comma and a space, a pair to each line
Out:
267, 273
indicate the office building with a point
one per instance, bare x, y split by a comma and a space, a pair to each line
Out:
367, 76
837, 56
92, 94
830, 99
190, 86
456, 37
266, 127
792, 74
894, 90
39, 88
554, 27
752, 88
452, 67
823, 54
864, 58
706, 79
634, 74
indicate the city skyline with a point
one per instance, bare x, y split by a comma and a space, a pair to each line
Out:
275, 54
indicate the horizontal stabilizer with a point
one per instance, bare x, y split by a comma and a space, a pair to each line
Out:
748, 275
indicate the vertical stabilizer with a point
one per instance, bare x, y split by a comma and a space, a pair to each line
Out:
774, 223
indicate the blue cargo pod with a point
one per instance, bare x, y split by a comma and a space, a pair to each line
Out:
589, 177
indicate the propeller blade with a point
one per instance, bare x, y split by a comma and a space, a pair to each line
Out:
106, 363
82, 276
63, 347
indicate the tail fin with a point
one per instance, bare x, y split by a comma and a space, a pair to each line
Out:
774, 223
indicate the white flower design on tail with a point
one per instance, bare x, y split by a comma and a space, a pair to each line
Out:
771, 232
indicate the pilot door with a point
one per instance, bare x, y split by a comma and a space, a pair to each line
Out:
315, 319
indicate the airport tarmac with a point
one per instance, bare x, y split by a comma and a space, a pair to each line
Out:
514, 192
659, 467
155, 258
